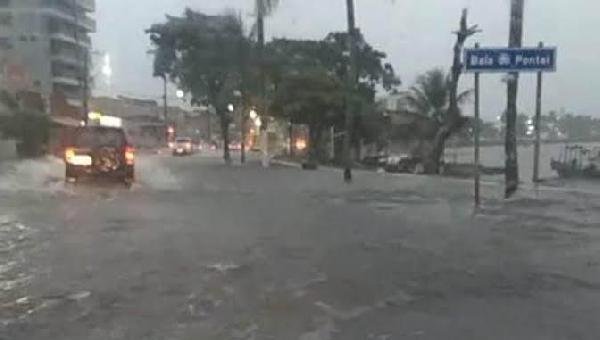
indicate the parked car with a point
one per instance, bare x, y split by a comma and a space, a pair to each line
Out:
183, 146
404, 164
235, 146
375, 161
100, 151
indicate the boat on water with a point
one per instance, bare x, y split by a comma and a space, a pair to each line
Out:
578, 161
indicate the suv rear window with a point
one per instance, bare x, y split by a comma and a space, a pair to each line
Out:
100, 137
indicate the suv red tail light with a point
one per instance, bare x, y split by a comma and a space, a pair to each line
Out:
129, 155
69, 153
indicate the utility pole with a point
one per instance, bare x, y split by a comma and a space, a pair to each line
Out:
351, 85
515, 40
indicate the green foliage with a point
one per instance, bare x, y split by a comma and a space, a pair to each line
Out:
201, 53
313, 98
579, 127
204, 55
430, 96
30, 128
210, 57
266, 7
372, 71
522, 124
309, 82
374, 127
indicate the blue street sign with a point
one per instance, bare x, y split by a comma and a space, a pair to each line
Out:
506, 60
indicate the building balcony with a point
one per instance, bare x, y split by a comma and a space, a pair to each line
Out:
75, 102
68, 15
82, 40
88, 23
86, 5
66, 79
67, 59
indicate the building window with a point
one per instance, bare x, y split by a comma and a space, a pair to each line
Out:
6, 19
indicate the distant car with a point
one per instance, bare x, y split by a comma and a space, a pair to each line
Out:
100, 151
183, 146
375, 161
236, 146
404, 164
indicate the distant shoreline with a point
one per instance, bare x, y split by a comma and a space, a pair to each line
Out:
522, 142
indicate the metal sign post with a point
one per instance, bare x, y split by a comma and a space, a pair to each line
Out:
537, 123
477, 133
509, 60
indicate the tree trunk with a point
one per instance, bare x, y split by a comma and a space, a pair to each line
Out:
432, 163
225, 135
454, 120
314, 144
512, 87
291, 137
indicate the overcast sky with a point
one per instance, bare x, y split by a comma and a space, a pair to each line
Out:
416, 35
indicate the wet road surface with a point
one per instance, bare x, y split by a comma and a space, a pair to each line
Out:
199, 250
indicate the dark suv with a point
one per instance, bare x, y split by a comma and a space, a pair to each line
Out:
100, 151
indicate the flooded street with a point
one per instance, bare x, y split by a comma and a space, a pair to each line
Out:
200, 250
291, 170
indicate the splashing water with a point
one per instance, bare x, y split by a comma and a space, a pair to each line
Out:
152, 173
44, 174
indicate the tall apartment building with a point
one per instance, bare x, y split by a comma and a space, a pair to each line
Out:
45, 47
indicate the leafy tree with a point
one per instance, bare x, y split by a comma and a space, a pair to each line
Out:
489, 130
205, 55
577, 127
30, 127
293, 64
430, 96
375, 127
312, 98
521, 125
263, 8
453, 118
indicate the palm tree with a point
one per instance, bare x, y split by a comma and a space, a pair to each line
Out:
430, 96
512, 86
263, 8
